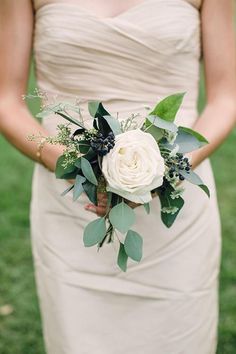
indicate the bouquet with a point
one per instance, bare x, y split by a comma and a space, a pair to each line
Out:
129, 160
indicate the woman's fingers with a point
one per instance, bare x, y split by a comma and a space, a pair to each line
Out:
102, 199
99, 210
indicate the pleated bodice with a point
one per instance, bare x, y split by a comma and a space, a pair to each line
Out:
128, 61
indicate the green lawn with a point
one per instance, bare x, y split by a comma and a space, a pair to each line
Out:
20, 331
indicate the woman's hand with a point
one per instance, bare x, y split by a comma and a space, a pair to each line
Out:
101, 208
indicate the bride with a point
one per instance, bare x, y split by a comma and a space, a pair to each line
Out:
126, 54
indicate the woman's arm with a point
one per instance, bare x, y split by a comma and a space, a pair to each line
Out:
16, 122
219, 116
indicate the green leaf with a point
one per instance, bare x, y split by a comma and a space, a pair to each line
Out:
205, 189
133, 245
168, 107
147, 207
122, 258
84, 146
94, 232
62, 171
161, 123
60, 109
78, 163
169, 219
90, 154
197, 135
193, 178
122, 217
78, 187
91, 191
157, 133
93, 107
103, 126
69, 119
88, 171
67, 190
166, 202
96, 109
114, 124
186, 142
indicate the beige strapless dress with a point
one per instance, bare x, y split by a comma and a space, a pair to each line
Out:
167, 303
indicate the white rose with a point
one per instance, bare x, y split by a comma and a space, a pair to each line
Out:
134, 167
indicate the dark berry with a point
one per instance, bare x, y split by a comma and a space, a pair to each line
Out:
102, 144
181, 178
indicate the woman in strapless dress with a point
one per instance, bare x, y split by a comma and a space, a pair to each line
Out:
127, 54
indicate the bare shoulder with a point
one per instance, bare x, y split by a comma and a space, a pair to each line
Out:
16, 33
219, 51
14, 5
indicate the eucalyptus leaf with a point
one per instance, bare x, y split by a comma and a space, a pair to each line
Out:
59, 108
193, 178
186, 142
69, 119
147, 207
78, 187
161, 123
93, 107
50, 109
157, 133
114, 124
67, 190
91, 191
133, 245
72, 107
122, 217
96, 109
168, 107
94, 232
197, 135
122, 258
88, 171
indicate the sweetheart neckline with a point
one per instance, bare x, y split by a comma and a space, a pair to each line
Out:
103, 19
93, 15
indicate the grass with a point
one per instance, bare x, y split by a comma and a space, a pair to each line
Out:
20, 330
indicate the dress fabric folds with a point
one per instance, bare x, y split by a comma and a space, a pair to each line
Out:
167, 303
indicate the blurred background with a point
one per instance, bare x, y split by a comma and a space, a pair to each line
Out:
20, 327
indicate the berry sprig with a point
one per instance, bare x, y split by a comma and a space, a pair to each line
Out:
102, 144
177, 164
